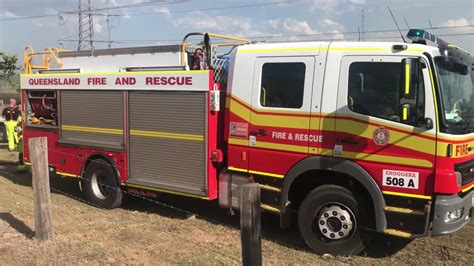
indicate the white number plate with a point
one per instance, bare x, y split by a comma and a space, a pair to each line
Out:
392, 178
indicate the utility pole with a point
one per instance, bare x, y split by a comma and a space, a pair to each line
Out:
86, 25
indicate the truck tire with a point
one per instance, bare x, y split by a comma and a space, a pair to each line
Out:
100, 185
329, 220
3, 133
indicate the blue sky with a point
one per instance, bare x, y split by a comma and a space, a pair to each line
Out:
294, 20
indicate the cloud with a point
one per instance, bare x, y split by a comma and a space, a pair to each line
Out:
334, 6
461, 22
297, 26
163, 11
7, 14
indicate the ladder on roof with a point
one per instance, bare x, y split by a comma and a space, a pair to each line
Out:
46, 56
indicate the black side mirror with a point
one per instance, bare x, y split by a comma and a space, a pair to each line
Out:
428, 123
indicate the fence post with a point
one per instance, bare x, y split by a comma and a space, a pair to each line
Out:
250, 229
38, 148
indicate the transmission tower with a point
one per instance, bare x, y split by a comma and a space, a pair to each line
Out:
86, 25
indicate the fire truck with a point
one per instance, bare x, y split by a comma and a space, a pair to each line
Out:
345, 139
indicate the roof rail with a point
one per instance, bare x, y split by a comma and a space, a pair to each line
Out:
47, 55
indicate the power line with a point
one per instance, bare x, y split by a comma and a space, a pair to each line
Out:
148, 13
274, 37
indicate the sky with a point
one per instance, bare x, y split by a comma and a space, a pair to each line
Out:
151, 22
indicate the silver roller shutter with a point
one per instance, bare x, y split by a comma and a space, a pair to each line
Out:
92, 118
168, 140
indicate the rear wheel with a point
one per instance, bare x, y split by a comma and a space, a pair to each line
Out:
101, 186
329, 220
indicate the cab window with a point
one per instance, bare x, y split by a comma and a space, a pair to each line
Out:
376, 89
282, 85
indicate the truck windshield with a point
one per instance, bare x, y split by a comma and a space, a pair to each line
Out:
457, 93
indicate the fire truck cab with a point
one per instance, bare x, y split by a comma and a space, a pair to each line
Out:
346, 138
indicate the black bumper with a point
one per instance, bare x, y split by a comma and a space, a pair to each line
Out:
444, 204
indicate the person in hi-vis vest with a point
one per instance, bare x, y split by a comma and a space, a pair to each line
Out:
11, 115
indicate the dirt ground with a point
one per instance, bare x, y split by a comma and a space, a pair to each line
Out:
158, 232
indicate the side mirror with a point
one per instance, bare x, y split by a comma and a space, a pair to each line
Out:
411, 69
428, 123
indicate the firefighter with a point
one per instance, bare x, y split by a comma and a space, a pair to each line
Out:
11, 115
19, 131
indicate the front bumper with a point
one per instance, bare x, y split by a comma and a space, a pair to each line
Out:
444, 204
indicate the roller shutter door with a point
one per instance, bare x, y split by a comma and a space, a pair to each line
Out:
92, 118
168, 140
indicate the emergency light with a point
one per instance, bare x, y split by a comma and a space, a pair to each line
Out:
424, 37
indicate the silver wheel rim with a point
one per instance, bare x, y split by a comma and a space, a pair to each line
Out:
335, 221
99, 185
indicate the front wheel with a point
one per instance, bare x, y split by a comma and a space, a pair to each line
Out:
329, 220
100, 185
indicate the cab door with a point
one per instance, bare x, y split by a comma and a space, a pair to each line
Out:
280, 113
385, 127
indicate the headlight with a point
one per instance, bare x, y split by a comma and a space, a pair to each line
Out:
452, 216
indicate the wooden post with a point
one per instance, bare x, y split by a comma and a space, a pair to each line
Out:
39, 166
250, 229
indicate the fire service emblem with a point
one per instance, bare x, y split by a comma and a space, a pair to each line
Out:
381, 136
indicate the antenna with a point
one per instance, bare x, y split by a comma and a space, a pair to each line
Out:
431, 26
362, 25
406, 22
396, 24
358, 30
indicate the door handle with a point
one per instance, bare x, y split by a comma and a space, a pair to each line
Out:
260, 133
347, 141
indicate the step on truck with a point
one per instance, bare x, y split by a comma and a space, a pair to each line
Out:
345, 139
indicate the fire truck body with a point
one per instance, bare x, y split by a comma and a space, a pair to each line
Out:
347, 136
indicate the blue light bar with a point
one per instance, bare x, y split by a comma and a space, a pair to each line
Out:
424, 37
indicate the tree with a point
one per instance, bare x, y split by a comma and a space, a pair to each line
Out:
8, 65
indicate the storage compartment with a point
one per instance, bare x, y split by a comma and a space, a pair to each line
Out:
41, 108
168, 140
92, 118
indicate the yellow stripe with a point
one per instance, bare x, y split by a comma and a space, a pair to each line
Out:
297, 49
407, 79
254, 172
93, 129
166, 135
266, 174
267, 187
435, 101
405, 114
363, 129
237, 169
274, 50
380, 158
27, 163
187, 72
272, 119
468, 188
167, 191
406, 195
66, 174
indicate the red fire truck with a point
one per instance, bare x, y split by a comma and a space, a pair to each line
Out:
346, 138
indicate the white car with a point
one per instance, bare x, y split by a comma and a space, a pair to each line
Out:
3, 130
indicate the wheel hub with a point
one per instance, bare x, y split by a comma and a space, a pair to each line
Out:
335, 222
